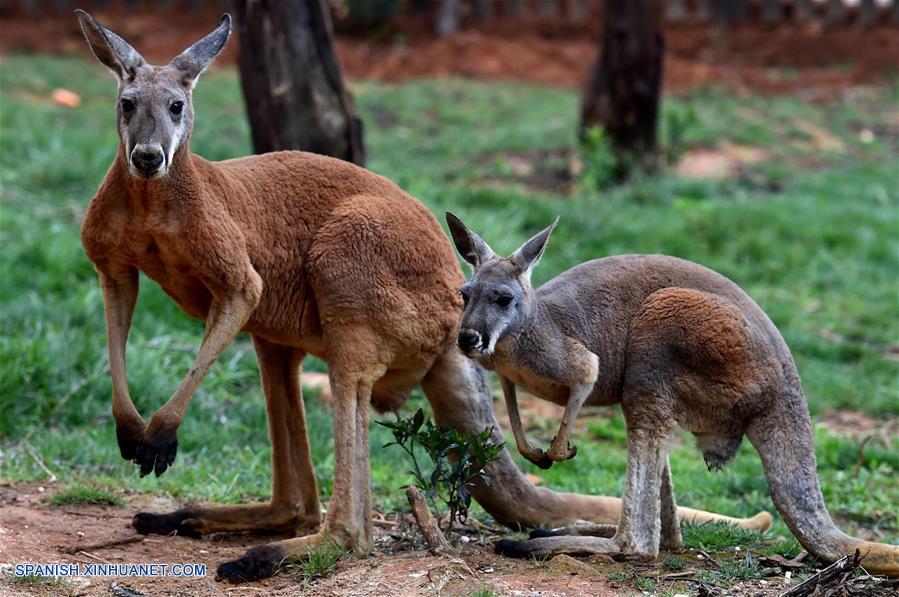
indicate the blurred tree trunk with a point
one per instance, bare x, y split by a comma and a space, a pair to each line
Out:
448, 15
622, 95
292, 85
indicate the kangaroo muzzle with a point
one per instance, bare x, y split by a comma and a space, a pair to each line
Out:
147, 159
471, 340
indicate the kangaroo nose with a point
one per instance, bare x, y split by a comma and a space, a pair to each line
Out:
469, 339
147, 158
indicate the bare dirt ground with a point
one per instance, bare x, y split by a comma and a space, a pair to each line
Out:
33, 531
786, 58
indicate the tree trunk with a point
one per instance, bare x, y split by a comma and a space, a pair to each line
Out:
448, 15
622, 95
292, 84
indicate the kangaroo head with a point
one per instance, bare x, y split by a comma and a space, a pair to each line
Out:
154, 111
499, 294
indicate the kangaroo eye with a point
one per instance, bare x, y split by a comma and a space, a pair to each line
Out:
176, 108
465, 296
504, 301
127, 106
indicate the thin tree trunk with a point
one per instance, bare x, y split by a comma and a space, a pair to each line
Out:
293, 88
623, 92
448, 15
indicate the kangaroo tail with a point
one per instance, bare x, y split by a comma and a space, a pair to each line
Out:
783, 438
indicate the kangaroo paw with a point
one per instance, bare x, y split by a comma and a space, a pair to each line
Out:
538, 457
157, 452
260, 562
129, 437
559, 454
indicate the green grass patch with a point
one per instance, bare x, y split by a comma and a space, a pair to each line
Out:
633, 578
673, 562
719, 536
81, 495
730, 570
35, 582
321, 561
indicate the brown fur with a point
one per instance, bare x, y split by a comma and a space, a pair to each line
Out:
310, 255
677, 345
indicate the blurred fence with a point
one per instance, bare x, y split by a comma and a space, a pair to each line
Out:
449, 15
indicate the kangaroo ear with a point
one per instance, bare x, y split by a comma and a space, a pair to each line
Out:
471, 247
109, 48
528, 255
194, 60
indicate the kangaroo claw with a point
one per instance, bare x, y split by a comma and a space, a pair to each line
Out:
557, 454
539, 458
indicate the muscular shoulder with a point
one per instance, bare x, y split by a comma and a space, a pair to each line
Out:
104, 221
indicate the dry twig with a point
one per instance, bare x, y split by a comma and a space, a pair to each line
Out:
437, 543
104, 544
836, 573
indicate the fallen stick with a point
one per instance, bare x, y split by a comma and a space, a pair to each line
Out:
437, 543
93, 557
385, 524
103, 545
826, 577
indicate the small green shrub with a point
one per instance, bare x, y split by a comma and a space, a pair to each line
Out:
449, 479
601, 167
677, 122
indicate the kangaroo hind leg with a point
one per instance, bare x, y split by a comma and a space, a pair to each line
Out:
671, 538
647, 458
352, 371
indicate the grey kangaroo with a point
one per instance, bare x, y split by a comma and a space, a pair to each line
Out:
676, 344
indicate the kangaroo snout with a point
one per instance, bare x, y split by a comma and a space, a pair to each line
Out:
147, 159
470, 340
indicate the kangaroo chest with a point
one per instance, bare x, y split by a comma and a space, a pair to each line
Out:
161, 260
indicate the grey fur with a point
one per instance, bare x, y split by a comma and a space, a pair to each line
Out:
674, 343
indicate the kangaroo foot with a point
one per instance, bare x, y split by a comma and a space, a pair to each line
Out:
577, 529
545, 547
259, 562
157, 451
179, 522
199, 520
265, 560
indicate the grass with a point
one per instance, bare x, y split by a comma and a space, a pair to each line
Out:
48, 585
80, 495
321, 561
809, 232
633, 577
